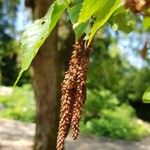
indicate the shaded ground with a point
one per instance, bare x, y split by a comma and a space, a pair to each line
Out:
19, 136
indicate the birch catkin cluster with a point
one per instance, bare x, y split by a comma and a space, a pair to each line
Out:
73, 93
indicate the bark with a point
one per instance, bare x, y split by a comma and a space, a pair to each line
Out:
46, 82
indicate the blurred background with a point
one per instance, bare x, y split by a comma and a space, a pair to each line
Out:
118, 75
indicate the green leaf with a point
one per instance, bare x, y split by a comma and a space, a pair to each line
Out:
120, 10
74, 12
88, 9
146, 96
73, 16
104, 14
36, 34
146, 23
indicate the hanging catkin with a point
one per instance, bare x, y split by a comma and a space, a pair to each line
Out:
137, 6
73, 93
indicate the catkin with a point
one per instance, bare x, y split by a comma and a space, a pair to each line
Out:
80, 92
137, 6
73, 93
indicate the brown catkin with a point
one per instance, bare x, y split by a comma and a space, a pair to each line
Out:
137, 6
81, 90
73, 93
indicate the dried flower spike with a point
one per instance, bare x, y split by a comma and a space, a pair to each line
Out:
73, 93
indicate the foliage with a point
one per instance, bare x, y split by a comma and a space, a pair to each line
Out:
37, 33
123, 20
85, 24
103, 114
114, 72
146, 96
146, 23
19, 105
104, 117
106, 112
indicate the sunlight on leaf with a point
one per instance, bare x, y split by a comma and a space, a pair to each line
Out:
146, 96
104, 14
36, 34
88, 9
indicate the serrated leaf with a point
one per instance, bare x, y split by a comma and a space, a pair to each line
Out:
146, 96
73, 16
88, 9
36, 34
104, 13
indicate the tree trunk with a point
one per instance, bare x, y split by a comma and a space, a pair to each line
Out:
48, 66
46, 83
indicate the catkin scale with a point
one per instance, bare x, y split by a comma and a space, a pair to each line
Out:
73, 93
